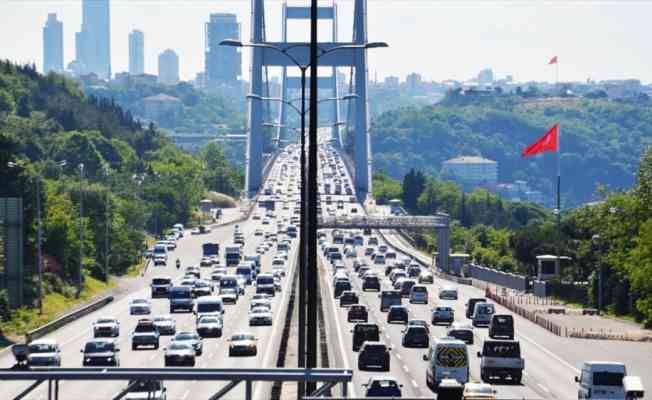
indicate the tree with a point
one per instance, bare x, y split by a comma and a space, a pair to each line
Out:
414, 183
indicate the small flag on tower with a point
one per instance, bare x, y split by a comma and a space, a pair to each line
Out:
553, 60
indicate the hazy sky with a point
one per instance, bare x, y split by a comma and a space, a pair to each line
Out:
439, 39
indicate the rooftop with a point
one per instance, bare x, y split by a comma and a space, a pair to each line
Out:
161, 97
469, 160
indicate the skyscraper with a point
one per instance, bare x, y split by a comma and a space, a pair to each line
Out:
53, 45
93, 42
136, 52
223, 64
168, 67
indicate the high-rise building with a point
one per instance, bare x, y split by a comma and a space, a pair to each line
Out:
168, 67
136, 52
486, 76
93, 42
53, 44
223, 64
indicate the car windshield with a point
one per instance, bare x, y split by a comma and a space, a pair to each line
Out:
608, 378
144, 328
208, 320
145, 387
139, 302
260, 310
98, 347
236, 338
162, 319
366, 329
42, 348
180, 294
160, 281
502, 349
385, 384
105, 321
184, 336
209, 307
265, 280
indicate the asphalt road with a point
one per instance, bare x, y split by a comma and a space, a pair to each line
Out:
72, 337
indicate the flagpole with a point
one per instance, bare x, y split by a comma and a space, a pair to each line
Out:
558, 197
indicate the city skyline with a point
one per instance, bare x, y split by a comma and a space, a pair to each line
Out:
514, 40
136, 52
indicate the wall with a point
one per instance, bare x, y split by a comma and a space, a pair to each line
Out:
512, 281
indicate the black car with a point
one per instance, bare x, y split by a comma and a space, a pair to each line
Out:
382, 387
416, 336
371, 283
501, 326
357, 313
397, 314
341, 286
365, 332
348, 298
374, 355
101, 352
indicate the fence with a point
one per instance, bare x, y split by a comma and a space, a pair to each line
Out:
537, 318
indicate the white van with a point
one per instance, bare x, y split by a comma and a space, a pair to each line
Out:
208, 305
447, 358
601, 380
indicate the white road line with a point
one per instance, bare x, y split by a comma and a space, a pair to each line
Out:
542, 387
153, 357
415, 384
406, 369
551, 354
185, 394
398, 356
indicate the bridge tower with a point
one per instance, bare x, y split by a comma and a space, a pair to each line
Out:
355, 58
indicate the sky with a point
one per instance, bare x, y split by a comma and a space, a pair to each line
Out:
439, 39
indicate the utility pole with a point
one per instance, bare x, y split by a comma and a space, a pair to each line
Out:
107, 226
39, 238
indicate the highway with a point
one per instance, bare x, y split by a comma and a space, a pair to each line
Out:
551, 362
72, 337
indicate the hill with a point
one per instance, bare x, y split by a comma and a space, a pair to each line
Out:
601, 140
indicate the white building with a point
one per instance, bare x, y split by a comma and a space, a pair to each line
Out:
471, 171
168, 67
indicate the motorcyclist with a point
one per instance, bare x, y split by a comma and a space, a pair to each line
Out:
178, 263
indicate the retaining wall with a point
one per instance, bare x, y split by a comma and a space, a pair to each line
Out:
505, 279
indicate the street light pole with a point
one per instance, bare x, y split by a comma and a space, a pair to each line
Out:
107, 226
39, 238
303, 259
81, 229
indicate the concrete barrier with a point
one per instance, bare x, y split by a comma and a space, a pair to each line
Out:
505, 279
67, 318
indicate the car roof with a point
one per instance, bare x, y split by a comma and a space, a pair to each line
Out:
43, 341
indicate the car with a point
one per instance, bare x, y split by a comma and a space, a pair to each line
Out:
102, 351
206, 262
145, 334
348, 297
382, 386
146, 390
442, 315
229, 295
415, 336
397, 314
419, 294
160, 286
357, 313
370, 282
191, 338
209, 326
418, 322
140, 307
165, 324
501, 359
277, 283
201, 288
462, 332
260, 302
374, 355
482, 314
43, 353
369, 251
195, 231
243, 344
259, 232
448, 293
179, 354
425, 277
501, 326
478, 391
607, 380
260, 315
106, 327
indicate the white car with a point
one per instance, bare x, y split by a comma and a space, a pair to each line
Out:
165, 324
146, 390
209, 325
448, 293
106, 326
140, 307
44, 353
260, 315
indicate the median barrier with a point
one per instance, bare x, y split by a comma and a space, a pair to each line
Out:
67, 318
556, 310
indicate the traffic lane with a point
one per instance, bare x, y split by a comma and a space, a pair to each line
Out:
414, 357
345, 341
72, 337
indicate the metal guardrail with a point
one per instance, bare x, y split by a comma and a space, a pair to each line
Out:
64, 319
329, 377
383, 222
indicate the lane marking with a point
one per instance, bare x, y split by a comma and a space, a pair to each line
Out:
398, 356
551, 354
185, 394
542, 387
405, 368
415, 384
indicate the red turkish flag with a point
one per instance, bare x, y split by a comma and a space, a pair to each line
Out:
547, 142
553, 60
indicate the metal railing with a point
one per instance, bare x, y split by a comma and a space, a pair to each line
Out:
328, 377
383, 222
